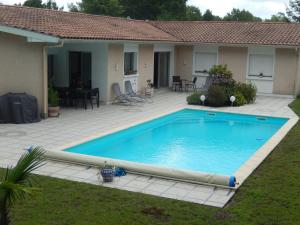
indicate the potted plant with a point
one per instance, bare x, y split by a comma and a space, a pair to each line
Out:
149, 91
108, 173
53, 102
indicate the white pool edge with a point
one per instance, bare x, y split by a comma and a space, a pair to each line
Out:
261, 154
183, 175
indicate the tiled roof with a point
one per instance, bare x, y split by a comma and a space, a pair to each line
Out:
85, 26
258, 33
79, 25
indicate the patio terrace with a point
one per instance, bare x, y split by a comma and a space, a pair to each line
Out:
77, 124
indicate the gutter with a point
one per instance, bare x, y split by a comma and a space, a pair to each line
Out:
297, 80
81, 40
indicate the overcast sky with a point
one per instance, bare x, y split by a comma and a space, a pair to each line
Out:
261, 8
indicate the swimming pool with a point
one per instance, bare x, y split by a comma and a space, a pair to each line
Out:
189, 140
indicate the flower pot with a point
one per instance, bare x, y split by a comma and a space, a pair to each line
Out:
149, 91
53, 111
107, 174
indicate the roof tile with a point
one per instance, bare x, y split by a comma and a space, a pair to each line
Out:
85, 26
79, 25
223, 32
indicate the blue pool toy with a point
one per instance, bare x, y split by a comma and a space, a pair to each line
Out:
232, 181
120, 172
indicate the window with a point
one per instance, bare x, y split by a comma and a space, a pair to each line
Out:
204, 61
130, 63
260, 66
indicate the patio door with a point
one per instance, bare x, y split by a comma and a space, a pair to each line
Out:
80, 69
161, 69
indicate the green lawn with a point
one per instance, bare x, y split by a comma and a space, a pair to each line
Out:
270, 196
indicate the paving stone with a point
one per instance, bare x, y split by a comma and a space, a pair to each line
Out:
137, 184
214, 204
186, 186
70, 126
198, 195
178, 192
160, 188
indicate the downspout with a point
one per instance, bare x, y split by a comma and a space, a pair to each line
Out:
297, 82
44, 114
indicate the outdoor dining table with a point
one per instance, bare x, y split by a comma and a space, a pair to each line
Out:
81, 94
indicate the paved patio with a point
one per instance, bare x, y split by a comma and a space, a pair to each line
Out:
77, 124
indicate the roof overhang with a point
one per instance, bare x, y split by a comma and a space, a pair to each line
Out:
30, 35
76, 41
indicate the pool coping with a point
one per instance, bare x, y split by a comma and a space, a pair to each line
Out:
241, 174
261, 154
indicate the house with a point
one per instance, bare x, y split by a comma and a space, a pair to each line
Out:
39, 46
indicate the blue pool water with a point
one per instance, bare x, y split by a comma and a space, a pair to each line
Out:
188, 139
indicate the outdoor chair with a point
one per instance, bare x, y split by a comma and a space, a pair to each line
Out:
75, 97
63, 94
80, 96
176, 83
121, 98
94, 97
129, 91
190, 84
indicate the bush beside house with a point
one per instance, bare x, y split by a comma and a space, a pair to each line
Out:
216, 95
222, 88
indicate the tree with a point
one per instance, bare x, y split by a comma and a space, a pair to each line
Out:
240, 15
73, 8
101, 7
154, 9
17, 182
172, 10
33, 3
50, 4
193, 13
293, 10
136, 9
208, 16
141, 9
279, 17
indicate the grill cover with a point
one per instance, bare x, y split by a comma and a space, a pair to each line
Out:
19, 108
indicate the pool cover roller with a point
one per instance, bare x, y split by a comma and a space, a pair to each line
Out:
177, 174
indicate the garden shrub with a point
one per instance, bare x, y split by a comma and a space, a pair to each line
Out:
230, 88
248, 90
239, 99
194, 99
220, 70
217, 96
223, 86
221, 75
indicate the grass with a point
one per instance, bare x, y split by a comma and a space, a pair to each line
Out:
270, 196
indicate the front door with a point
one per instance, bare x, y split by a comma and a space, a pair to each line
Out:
161, 69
